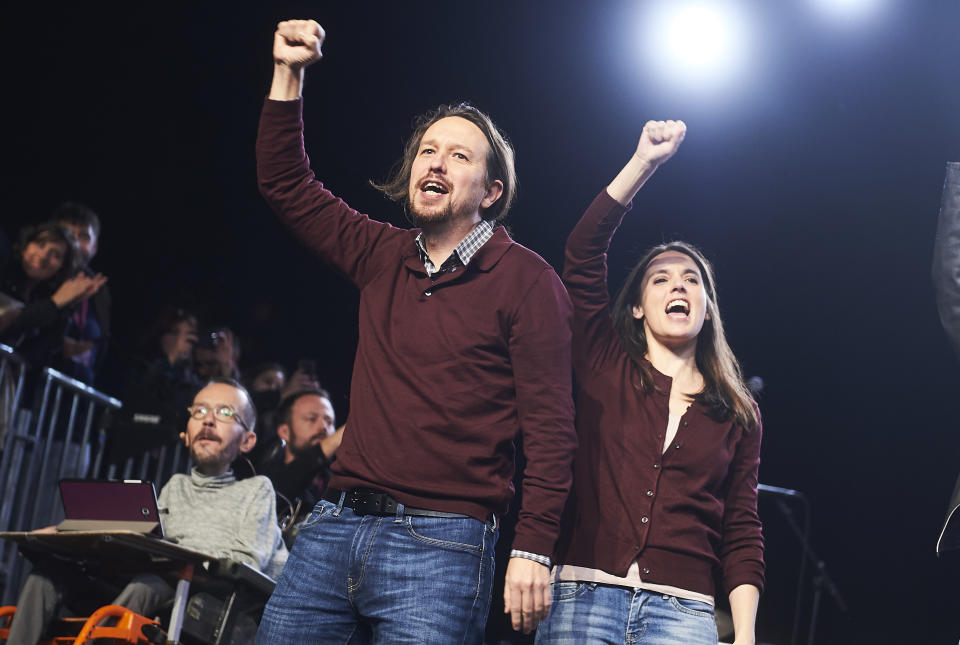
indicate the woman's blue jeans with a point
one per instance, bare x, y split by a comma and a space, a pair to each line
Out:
589, 613
370, 579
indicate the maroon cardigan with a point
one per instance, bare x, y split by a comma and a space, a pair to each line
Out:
679, 514
448, 371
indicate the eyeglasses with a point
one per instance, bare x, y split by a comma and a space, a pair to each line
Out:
223, 412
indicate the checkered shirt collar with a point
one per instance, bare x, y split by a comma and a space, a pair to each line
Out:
463, 252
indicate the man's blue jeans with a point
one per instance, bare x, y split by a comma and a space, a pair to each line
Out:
394, 579
591, 613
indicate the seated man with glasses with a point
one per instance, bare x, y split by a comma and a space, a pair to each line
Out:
209, 510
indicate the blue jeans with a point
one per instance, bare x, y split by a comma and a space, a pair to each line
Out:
394, 579
584, 613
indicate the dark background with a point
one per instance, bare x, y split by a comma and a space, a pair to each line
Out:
814, 186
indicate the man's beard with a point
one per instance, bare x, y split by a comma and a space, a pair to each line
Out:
298, 448
420, 219
217, 458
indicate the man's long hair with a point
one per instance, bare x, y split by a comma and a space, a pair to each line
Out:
724, 388
499, 162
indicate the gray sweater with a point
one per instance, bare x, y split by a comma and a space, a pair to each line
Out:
225, 517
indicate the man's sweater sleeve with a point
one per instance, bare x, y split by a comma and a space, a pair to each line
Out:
540, 354
347, 240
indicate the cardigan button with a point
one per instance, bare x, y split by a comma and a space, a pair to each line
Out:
644, 519
646, 571
649, 493
428, 293
677, 446
656, 465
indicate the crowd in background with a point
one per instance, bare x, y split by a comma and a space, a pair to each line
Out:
55, 311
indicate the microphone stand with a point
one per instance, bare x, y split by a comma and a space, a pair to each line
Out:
821, 578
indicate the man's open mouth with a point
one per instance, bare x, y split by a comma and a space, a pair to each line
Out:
434, 187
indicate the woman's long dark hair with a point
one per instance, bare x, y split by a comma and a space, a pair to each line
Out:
49, 231
724, 388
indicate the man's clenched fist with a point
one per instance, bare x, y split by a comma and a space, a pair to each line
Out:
296, 43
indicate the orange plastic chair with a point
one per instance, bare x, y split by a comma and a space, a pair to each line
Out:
6, 615
128, 629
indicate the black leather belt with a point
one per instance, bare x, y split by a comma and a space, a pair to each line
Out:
373, 502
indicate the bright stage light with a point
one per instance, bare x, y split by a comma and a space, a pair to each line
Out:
696, 42
699, 35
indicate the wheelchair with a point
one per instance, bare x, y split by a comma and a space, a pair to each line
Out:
224, 608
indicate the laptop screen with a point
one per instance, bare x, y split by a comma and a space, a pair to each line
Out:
91, 500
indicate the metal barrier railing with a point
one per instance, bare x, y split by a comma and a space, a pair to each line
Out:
39, 450
54, 439
12, 373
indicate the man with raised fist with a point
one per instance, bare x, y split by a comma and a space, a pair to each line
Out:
464, 342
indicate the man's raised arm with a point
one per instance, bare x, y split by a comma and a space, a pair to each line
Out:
296, 46
340, 236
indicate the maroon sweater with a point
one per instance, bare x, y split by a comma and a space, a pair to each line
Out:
447, 371
679, 514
